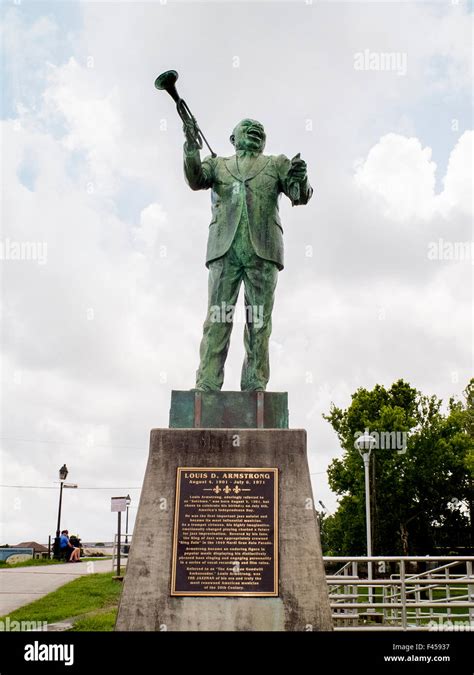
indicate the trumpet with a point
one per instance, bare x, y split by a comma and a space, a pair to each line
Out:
167, 82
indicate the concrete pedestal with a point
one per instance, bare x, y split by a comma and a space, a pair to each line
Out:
302, 605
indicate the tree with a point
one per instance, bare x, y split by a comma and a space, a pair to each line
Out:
421, 472
469, 424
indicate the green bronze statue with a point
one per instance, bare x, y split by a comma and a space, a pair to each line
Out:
245, 244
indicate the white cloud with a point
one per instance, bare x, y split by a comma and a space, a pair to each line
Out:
152, 221
458, 188
26, 51
399, 173
91, 116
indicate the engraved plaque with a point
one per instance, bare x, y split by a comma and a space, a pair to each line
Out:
225, 539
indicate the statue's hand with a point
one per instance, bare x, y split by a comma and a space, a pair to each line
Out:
298, 170
192, 138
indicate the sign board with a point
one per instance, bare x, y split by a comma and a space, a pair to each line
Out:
118, 504
225, 539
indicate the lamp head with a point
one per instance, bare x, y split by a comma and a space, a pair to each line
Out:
365, 443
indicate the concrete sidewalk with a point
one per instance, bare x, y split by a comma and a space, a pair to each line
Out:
22, 585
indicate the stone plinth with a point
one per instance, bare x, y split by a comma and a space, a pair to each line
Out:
302, 603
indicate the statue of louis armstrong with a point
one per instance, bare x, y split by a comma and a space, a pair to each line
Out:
245, 244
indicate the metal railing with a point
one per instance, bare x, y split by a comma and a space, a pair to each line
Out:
126, 541
408, 593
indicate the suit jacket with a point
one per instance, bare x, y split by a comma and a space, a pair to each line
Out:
258, 193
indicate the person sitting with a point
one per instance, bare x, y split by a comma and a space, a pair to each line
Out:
76, 542
70, 552
64, 549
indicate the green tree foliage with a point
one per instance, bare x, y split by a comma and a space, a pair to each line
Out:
421, 494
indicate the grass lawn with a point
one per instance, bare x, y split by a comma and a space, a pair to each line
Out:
99, 621
29, 563
94, 595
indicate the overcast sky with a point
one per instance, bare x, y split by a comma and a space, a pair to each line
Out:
108, 319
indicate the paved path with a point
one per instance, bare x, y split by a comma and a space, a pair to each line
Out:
21, 585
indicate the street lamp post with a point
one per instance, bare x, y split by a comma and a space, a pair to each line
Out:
365, 443
63, 472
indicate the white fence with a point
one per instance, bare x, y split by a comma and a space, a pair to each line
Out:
407, 593
126, 541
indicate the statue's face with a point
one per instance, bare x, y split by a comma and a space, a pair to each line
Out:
249, 135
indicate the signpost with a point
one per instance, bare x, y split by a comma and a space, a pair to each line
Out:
118, 505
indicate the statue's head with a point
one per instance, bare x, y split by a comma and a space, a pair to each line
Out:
249, 136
